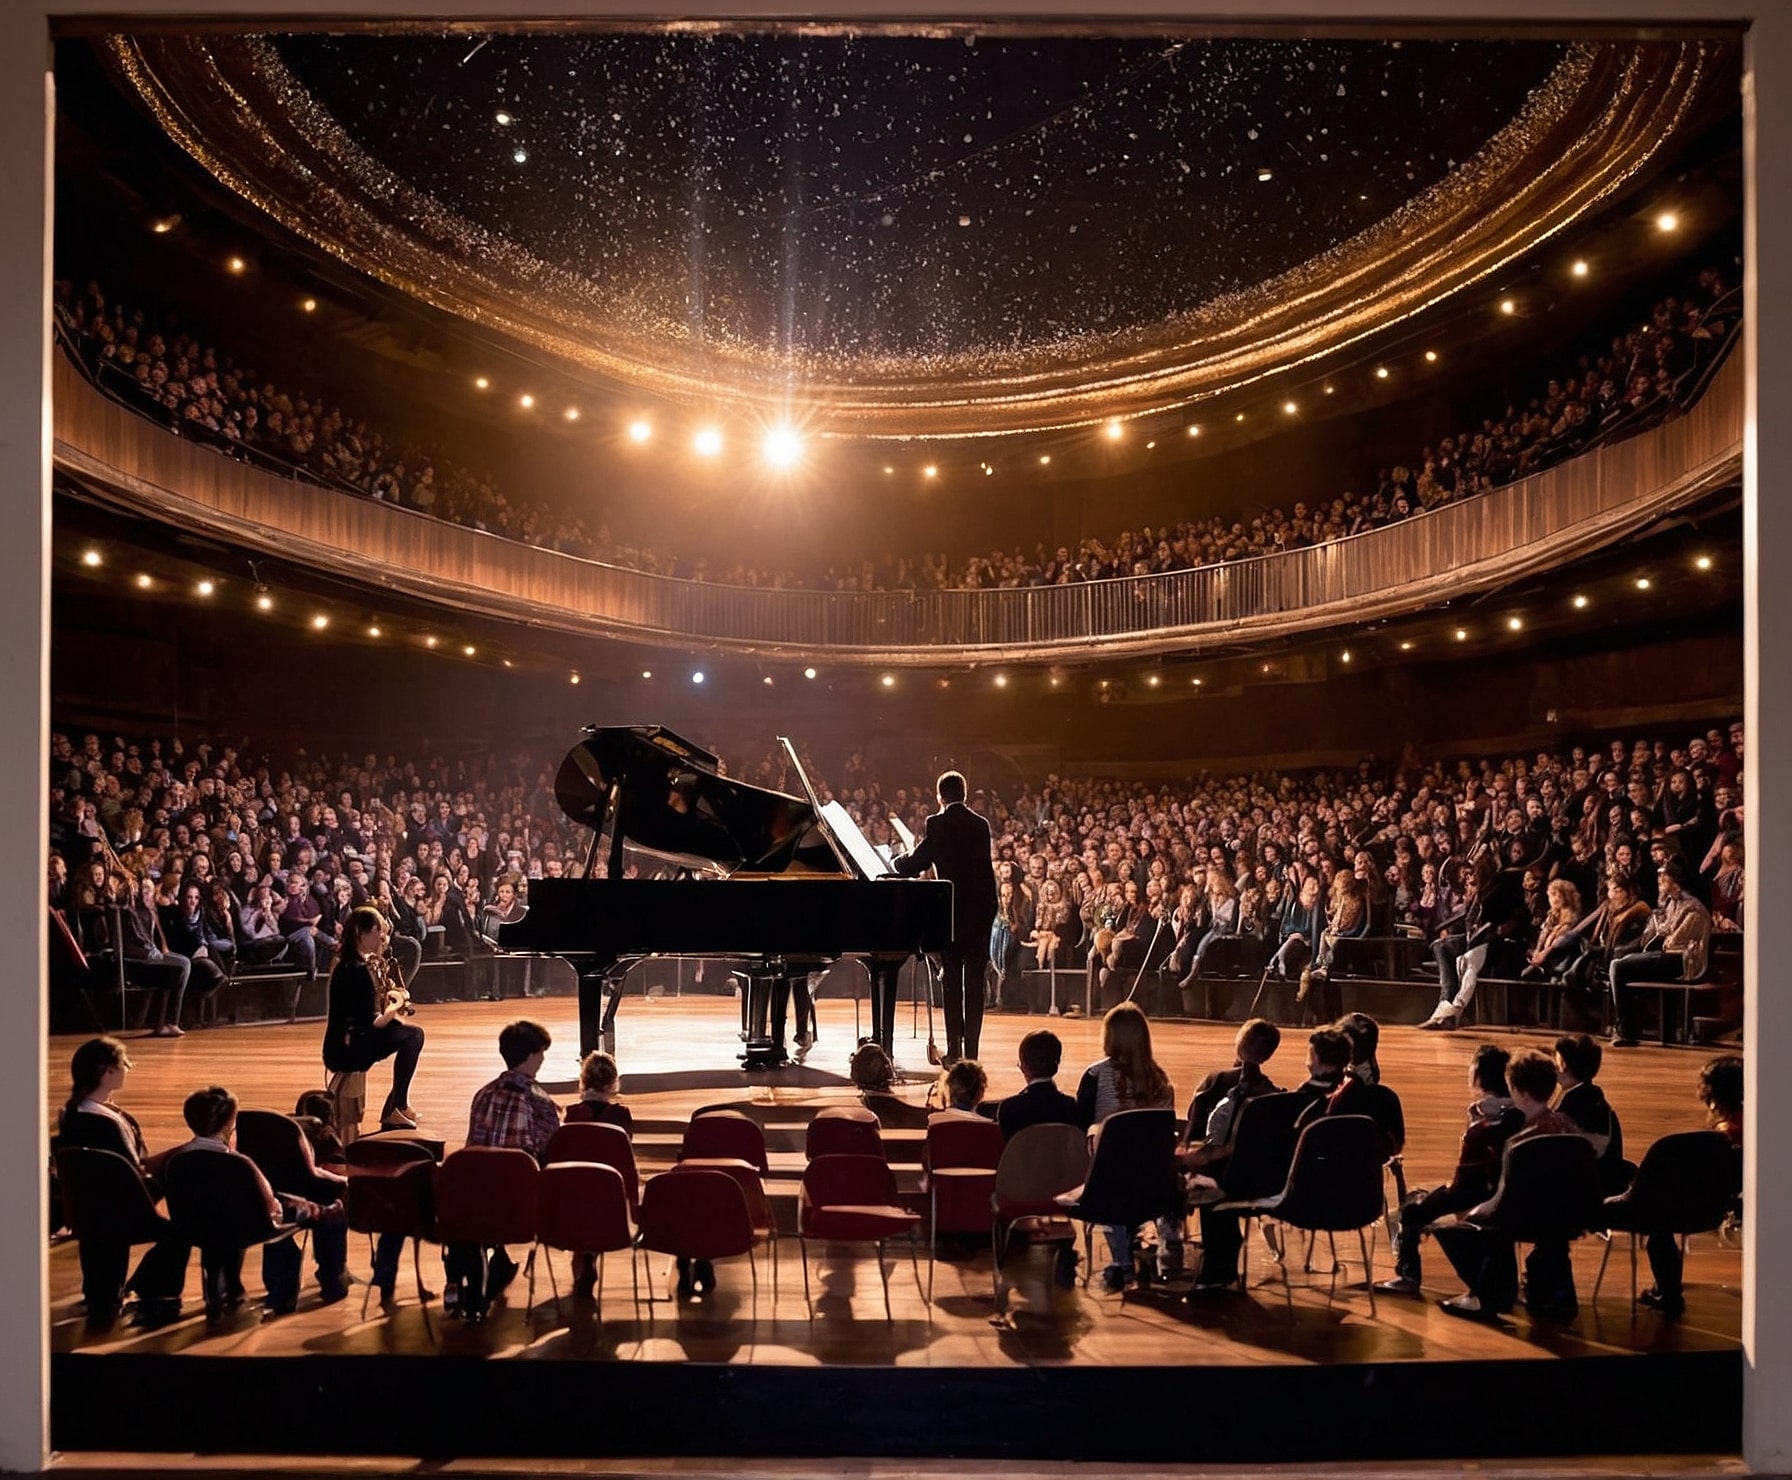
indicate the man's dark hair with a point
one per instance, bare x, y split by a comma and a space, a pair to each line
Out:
951, 786
1675, 868
1489, 1068
1533, 1074
1581, 1055
1257, 1041
1331, 1048
210, 1111
1041, 1051
520, 1039
1720, 1085
1364, 1034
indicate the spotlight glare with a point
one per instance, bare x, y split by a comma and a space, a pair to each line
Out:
889, 680
375, 632
480, 383
1289, 407
1580, 603
1642, 583
164, 226
1239, 417
697, 677
526, 401
639, 431
571, 413
767, 680
1515, 624
1667, 221
1461, 634
646, 673
469, 650
1044, 458
1153, 680
1265, 174
1580, 268
1507, 306
1406, 647
320, 621
1430, 357
144, 583
236, 264
1381, 372
309, 305
889, 468
930, 471
205, 588
1113, 431
264, 602
501, 117
808, 673
783, 448
1345, 655
1703, 562
91, 557
572, 677
431, 641
1194, 431
708, 442
521, 156
1001, 680
1326, 389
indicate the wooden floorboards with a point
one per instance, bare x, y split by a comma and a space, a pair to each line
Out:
678, 1055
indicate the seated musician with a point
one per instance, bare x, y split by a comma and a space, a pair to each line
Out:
362, 1027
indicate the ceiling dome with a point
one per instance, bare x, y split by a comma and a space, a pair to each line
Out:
955, 233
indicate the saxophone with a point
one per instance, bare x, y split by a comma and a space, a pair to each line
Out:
389, 989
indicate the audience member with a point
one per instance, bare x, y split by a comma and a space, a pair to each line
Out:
1041, 1102
600, 1082
1127, 1077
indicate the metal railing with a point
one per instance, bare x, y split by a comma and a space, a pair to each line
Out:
1468, 545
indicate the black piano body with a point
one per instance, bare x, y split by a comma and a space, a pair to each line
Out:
772, 880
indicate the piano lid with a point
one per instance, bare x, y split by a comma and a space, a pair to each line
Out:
672, 802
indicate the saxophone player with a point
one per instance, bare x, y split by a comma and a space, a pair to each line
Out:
364, 1025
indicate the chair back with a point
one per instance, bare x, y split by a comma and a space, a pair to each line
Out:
1334, 1181
1038, 1164
695, 1213
1549, 1189
608, 1145
752, 1185
215, 1201
487, 1195
583, 1206
1688, 1183
843, 1179
105, 1197
843, 1130
1132, 1174
275, 1143
1262, 1146
391, 1194
960, 1157
726, 1133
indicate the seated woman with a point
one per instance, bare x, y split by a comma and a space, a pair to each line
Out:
362, 1029
189, 932
1127, 1077
599, 1083
91, 1118
1052, 935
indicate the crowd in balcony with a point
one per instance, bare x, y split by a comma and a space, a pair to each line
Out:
1608, 391
220, 854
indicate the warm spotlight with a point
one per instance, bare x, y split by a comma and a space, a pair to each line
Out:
526, 401
1667, 221
91, 557
1642, 583
646, 673
1580, 268
1044, 458
1326, 390
1344, 656
264, 602
1461, 634
767, 680
808, 673
480, 383
639, 431
1430, 357
889, 680
165, 225
432, 641
1406, 647
1580, 603
206, 588
697, 677
1515, 624
571, 413
468, 650
309, 305
144, 583
1703, 562
572, 678
888, 469
1507, 306
1153, 681
1265, 174
320, 621
1381, 372
1113, 431
1195, 683
1289, 408
501, 118
1239, 417
783, 448
930, 471
1194, 431
236, 264
708, 442
375, 633
1001, 680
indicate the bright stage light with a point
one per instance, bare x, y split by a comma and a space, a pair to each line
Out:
708, 442
783, 448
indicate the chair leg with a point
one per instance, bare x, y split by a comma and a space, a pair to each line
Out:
933, 1240
529, 1307
417, 1270
1287, 1287
995, 1262
597, 1290
1367, 1245
808, 1300
1633, 1273
1604, 1259
884, 1275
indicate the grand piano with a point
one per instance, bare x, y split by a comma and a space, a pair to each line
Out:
779, 883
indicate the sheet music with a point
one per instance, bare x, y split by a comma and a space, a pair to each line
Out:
872, 863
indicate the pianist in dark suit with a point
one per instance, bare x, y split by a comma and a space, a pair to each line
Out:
956, 845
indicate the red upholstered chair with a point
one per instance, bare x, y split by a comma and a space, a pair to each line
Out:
607, 1145
391, 1190
959, 1170
851, 1199
843, 1130
1038, 1165
583, 1208
697, 1213
726, 1133
752, 1186
486, 1196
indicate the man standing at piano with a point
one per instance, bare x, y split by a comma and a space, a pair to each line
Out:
957, 847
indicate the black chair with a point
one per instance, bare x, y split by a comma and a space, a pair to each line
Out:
215, 1203
1548, 1193
1132, 1176
1334, 1186
1688, 1183
391, 1193
111, 1209
276, 1144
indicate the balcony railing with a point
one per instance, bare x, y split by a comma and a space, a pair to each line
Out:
1470, 545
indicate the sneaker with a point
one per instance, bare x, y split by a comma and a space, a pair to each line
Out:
1622, 1040
1441, 1019
1114, 1279
1400, 1284
1468, 1307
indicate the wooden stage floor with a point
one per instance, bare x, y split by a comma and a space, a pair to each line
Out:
678, 1055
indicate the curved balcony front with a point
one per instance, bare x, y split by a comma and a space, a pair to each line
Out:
1460, 548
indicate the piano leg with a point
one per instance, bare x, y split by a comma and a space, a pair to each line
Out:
767, 1004
597, 1017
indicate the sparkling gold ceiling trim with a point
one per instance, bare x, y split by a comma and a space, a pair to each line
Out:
1596, 121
